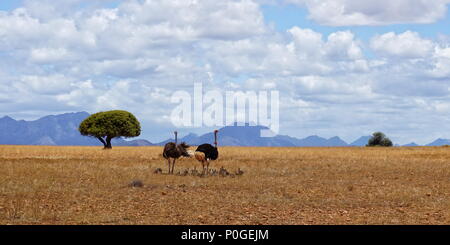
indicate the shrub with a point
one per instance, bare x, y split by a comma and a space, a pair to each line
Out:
379, 139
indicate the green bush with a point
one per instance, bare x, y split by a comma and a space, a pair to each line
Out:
379, 139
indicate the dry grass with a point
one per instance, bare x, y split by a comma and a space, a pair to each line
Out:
88, 185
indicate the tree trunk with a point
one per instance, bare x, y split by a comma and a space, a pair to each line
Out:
108, 143
102, 140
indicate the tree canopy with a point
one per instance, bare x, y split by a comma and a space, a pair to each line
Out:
110, 124
379, 139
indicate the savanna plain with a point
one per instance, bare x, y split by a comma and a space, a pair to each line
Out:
345, 185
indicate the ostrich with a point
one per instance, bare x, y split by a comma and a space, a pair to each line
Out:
207, 152
172, 150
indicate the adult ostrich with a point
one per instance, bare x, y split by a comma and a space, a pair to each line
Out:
207, 152
174, 151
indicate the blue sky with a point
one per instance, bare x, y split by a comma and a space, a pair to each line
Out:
9, 5
286, 16
345, 68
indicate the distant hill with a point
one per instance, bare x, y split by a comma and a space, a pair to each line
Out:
361, 141
237, 136
63, 130
52, 130
439, 142
49, 130
411, 144
250, 136
138, 142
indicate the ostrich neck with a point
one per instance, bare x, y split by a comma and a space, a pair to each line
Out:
215, 139
176, 139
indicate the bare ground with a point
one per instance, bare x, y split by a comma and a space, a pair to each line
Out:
350, 185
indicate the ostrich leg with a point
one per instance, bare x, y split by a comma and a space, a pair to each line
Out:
173, 164
168, 161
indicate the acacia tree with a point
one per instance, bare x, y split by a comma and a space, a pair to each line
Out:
379, 139
110, 124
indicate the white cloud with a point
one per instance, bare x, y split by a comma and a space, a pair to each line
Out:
49, 55
52, 84
373, 12
405, 45
441, 63
136, 55
341, 45
306, 42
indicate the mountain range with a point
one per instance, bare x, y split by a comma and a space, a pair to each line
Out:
52, 130
63, 130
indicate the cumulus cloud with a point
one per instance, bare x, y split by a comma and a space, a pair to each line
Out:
49, 55
405, 45
420, 65
64, 57
52, 84
373, 12
441, 63
339, 45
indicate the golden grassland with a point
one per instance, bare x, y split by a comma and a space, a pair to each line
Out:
348, 185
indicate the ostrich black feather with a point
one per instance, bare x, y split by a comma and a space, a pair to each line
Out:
210, 151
